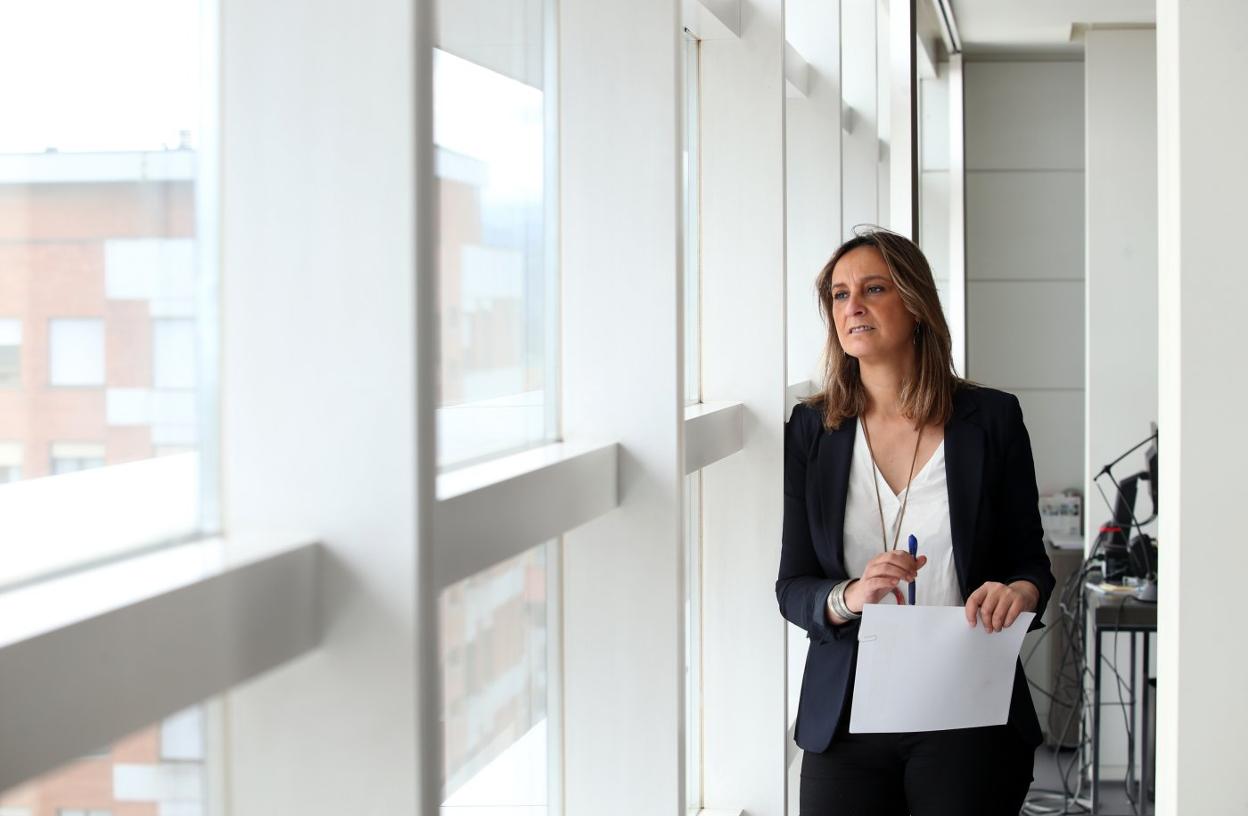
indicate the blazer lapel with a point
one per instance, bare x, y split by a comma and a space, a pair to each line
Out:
836, 453
964, 468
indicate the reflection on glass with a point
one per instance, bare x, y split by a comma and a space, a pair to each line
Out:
494, 633
158, 771
496, 293
101, 320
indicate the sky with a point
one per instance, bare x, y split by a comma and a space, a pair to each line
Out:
88, 75
493, 118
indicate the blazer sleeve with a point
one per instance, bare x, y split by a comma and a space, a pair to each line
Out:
802, 588
1028, 560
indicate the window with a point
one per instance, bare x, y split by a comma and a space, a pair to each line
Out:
76, 351
182, 736
10, 353
693, 641
10, 462
496, 264
495, 631
134, 775
692, 159
105, 277
70, 457
173, 353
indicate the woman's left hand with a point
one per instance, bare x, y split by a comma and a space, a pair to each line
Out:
1000, 604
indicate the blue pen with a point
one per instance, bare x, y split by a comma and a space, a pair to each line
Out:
914, 553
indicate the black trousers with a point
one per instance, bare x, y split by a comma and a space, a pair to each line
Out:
964, 772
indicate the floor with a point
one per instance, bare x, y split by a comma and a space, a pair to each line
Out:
1113, 798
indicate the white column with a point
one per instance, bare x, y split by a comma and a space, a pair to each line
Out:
902, 124
743, 336
813, 183
860, 136
1202, 174
623, 590
325, 226
813, 175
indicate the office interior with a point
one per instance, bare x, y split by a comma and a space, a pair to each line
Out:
392, 394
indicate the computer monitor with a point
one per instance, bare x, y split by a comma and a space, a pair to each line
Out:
1150, 456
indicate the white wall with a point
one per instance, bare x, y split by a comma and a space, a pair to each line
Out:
1121, 292
1025, 239
1024, 260
941, 183
1202, 172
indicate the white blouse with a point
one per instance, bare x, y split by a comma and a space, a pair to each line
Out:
927, 518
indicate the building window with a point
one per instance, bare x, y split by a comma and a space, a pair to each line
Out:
173, 353
10, 462
182, 736
76, 351
10, 353
70, 457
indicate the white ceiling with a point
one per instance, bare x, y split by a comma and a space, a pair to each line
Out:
988, 26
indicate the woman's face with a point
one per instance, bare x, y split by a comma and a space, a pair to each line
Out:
871, 320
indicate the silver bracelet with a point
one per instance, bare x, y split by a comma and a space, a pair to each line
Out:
836, 600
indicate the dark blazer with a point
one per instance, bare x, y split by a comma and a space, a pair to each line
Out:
994, 519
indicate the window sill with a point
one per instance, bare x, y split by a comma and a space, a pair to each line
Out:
100, 653
118, 509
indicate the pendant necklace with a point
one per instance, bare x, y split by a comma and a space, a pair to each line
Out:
875, 481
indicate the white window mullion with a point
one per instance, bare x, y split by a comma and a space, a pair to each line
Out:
743, 359
623, 587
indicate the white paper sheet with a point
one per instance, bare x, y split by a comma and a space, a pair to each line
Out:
923, 668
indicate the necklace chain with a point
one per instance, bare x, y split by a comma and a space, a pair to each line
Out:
875, 481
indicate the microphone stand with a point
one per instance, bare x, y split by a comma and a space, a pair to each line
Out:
1147, 590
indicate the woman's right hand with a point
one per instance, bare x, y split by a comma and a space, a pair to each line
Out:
882, 575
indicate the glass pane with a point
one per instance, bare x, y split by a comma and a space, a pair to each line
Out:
494, 629
692, 160
693, 641
496, 270
102, 325
159, 770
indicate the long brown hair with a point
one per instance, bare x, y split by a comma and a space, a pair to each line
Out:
926, 398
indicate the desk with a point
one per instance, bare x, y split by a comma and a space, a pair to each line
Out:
1111, 613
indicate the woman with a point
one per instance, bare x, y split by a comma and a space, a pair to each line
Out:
897, 444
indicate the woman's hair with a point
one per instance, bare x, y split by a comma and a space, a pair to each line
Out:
928, 397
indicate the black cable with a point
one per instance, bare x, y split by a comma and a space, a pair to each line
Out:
1121, 684
1073, 656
